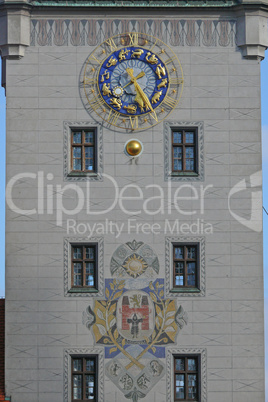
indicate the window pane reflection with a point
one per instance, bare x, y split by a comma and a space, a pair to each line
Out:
177, 137
90, 253
89, 137
77, 253
191, 273
77, 165
192, 386
178, 152
77, 138
77, 365
179, 252
90, 365
179, 364
89, 387
189, 138
179, 384
192, 365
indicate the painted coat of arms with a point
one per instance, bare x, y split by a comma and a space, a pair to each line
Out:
135, 322
135, 326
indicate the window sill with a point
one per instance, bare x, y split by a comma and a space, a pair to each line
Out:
83, 174
185, 290
179, 174
83, 290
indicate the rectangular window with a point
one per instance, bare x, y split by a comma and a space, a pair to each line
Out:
83, 151
184, 150
84, 266
185, 265
84, 378
186, 378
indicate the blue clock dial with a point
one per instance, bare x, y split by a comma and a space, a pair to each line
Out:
133, 81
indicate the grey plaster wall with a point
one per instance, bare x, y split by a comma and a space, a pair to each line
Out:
225, 323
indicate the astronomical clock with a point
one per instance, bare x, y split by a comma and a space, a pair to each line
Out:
132, 81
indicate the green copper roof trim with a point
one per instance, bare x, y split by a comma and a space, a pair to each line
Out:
136, 3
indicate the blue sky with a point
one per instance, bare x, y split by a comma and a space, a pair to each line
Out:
264, 86
264, 94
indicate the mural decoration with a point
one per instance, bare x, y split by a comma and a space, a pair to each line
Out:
175, 32
134, 259
135, 324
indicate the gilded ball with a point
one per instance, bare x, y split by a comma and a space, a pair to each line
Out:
133, 148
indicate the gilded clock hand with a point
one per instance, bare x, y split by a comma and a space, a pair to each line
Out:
140, 75
141, 98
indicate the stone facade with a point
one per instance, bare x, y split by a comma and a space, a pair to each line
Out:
135, 322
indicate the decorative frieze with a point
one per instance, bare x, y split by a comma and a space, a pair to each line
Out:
175, 32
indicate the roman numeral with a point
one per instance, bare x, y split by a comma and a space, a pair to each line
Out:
175, 81
154, 116
113, 117
110, 42
134, 39
134, 122
89, 81
154, 44
92, 57
170, 102
96, 102
170, 60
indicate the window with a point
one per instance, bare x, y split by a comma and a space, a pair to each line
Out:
83, 151
84, 378
184, 150
84, 266
185, 265
186, 378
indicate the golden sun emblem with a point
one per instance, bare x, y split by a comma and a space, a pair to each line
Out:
135, 265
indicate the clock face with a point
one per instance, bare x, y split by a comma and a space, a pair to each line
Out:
132, 81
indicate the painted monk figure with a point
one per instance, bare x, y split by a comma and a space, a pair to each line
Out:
134, 321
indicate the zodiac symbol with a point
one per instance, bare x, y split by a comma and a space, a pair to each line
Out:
111, 62
137, 53
106, 89
153, 59
105, 74
122, 54
156, 97
162, 84
131, 108
116, 103
160, 70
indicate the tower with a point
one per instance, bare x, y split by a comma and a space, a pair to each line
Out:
133, 183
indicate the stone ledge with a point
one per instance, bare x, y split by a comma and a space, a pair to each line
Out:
14, 30
136, 3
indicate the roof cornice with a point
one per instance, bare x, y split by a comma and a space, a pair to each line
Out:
137, 3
